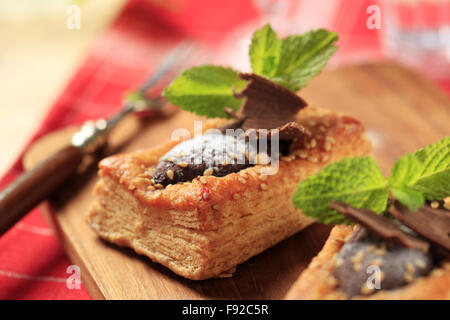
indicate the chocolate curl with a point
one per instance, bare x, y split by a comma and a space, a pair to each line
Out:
270, 106
380, 226
432, 224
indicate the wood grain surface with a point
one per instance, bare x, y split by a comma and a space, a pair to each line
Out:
401, 111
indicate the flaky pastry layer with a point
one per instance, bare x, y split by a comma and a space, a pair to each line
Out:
203, 228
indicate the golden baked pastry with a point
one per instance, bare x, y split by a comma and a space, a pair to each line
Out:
319, 282
205, 227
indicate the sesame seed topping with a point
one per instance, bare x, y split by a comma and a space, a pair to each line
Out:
169, 174
203, 180
409, 267
159, 186
325, 157
303, 154
408, 277
242, 180
150, 188
365, 290
208, 172
182, 164
313, 159
170, 159
434, 204
322, 129
330, 139
420, 263
327, 146
263, 177
264, 186
313, 143
376, 262
236, 196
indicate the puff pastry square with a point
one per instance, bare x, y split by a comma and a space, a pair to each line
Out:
204, 228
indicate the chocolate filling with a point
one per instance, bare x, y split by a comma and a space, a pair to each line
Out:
397, 264
209, 154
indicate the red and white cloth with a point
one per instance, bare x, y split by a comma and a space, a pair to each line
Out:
32, 263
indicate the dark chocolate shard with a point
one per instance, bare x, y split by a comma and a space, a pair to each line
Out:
270, 106
381, 226
355, 263
432, 224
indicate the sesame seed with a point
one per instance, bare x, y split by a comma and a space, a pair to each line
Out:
313, 159
339, 262
131, 187
152, 181
170, 159
420, 263
409, 267
376, 262
408, 277
208, 172
313, 143
236, 196
206, 195
182, 164
150, 188
325, 157
365, 290
203, 180
263, 177
264, 186
216, 207
327, 146
322, 129
243, 175
434, 204
303, 154
447, 200
242, 180
159, 186
169, 174
330, 139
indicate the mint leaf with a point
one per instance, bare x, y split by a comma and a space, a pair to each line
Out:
410, 198
433, 181
356, 181
404, 172
264, 51
294, 60
206, 90
426, 172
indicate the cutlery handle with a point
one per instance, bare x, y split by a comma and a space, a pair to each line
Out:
35, 185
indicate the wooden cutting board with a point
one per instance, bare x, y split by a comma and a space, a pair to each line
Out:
401, 110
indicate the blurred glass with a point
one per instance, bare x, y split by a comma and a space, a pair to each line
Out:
418, 32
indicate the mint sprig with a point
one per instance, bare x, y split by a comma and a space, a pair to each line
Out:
290, 62
359, 182
206, 90
294, 60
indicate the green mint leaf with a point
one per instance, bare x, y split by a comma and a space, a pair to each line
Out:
403, 173
427, 171
357, 181
433, 181
294, 60
265, 51
410, 198
206, 90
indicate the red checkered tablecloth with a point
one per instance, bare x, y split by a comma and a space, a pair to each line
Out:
32, 263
